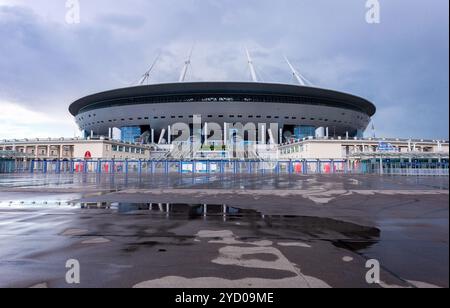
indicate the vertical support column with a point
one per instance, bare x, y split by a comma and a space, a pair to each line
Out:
225, 133
169, 135
140, 166
319, 166
45, 166
381, 165
32, 166
180, 167
205, 133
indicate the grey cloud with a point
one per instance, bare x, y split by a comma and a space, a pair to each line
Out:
401, 64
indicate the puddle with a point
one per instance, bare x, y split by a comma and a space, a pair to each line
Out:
290, 226
348, 236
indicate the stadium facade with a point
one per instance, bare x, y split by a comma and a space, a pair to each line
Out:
147, 114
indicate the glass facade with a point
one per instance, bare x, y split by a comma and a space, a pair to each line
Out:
303, 131
130, 134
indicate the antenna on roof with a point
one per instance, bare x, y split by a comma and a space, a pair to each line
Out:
187, 63
252, 67
146, 76
300, 78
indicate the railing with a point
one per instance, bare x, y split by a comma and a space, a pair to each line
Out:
7, 166
220, 167
179, 166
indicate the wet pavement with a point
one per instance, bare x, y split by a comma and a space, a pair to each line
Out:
223, 231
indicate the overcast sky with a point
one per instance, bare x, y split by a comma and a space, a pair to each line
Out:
401, 64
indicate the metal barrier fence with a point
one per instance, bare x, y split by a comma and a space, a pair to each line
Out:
221, 167
182, 167
7, 166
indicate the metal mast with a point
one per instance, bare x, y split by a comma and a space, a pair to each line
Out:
296, 74
252, 67
187, 63
146, 76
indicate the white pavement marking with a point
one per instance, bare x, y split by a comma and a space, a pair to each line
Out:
215, 282
423, 285
98, 240
74, 232
303, 245
40, 286
347, 259
228, 238
234, 255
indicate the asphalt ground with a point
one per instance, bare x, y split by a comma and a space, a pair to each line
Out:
223, 231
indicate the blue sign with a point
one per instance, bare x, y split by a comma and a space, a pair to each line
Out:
385, 147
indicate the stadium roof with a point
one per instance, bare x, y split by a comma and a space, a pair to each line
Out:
254, 91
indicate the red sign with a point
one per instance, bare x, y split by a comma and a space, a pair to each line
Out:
87, 155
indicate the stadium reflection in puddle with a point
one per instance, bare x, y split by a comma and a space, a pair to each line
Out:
336, 231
